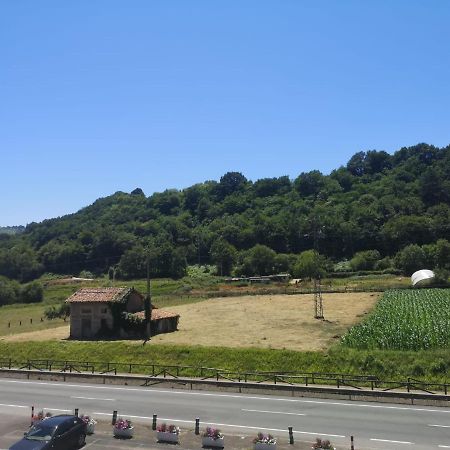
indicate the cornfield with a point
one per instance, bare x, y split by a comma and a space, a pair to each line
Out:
405, 320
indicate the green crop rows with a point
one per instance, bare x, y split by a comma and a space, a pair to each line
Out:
405, 320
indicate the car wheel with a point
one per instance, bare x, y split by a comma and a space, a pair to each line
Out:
81, 441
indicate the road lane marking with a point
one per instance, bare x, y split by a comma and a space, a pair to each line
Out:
273, 412
94, 398
174, 392
393, 442
444, 446
14, 406
59, 410
440, 426
224, 425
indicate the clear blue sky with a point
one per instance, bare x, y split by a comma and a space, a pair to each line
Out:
98, 96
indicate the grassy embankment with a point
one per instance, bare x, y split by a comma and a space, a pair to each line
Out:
427, 365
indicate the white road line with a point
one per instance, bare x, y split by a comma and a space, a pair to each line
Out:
444, 446
174, 392
273, 412
224, 425
393, 442
440, 426
15, 406
59, 410
94, 398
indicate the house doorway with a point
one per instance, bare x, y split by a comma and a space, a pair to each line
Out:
86, 327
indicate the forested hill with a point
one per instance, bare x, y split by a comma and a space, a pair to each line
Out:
377, 202
12, 230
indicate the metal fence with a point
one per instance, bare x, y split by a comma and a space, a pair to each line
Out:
337, 380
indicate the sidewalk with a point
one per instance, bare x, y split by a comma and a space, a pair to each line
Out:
145, 438
13, 427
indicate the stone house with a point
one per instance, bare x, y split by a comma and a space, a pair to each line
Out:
92, 314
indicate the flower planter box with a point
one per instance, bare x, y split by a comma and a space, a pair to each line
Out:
90, 427
211, 442
264, 446
124, 432
166, 436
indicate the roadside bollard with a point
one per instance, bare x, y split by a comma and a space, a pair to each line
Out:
197, 426
352, 445
76, 412
32, 415
291, 436
114, 418
154, 422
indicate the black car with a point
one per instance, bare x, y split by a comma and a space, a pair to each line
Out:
62, 432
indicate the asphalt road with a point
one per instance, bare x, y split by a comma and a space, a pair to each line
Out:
374, 425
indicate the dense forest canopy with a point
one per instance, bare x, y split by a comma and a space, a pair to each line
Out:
378, 211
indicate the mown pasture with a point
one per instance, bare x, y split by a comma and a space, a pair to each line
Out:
405, 320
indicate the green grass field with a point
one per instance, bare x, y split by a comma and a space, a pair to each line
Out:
405, 320
14, 314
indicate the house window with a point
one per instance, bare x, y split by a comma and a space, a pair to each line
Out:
86, 311
104, 310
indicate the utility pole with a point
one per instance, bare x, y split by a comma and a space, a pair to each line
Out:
148, 304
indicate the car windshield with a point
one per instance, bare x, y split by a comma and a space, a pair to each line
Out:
40, 432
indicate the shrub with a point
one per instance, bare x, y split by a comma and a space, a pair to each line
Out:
57, 312
32, 292
365, 260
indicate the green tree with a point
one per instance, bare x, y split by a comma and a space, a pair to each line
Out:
443, 254
410, 259
310, 183
259, 260
32, 292
365, 260
231, 182
310, 264
223, 254
9, 291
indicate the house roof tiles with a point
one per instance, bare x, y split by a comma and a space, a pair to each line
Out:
158, 314
99, 295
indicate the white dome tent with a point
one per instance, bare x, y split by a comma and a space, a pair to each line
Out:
422, 277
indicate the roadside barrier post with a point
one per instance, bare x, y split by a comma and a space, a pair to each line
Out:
32, 415
351, 441
197, 426
114, 418
76, 412
154, 422
291, 436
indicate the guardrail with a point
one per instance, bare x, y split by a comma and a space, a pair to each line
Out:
337, 380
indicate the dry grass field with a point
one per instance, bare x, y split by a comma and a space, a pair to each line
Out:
265, 321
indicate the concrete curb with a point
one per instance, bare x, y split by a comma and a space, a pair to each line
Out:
350, 394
